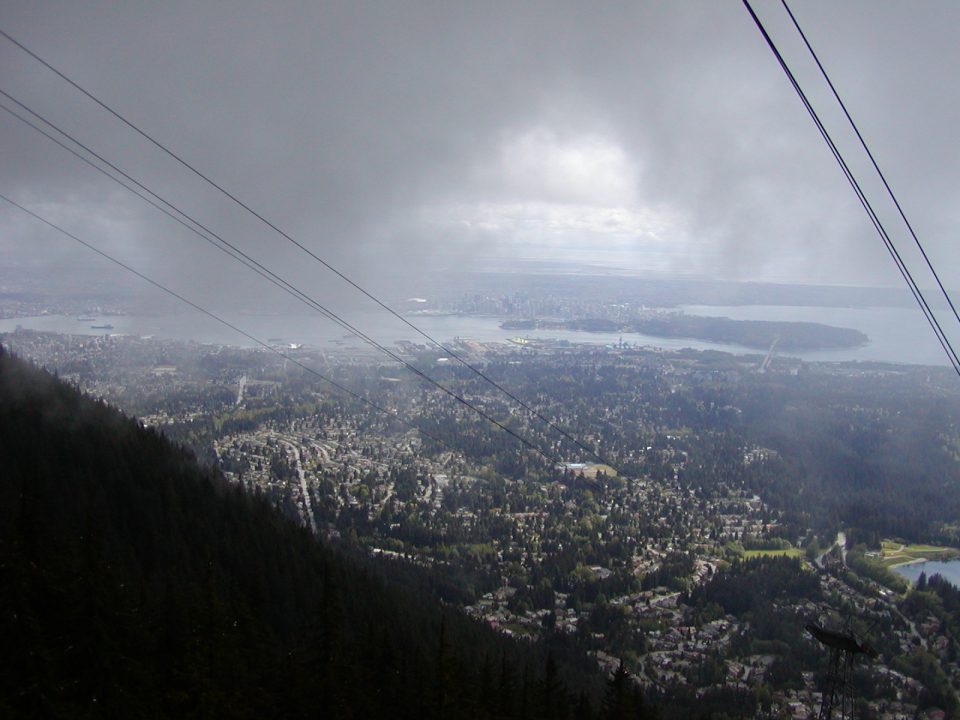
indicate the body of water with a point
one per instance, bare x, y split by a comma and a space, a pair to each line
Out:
896, 335
316, 331
949, 569
899, 335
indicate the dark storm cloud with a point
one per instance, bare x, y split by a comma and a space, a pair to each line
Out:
388, 136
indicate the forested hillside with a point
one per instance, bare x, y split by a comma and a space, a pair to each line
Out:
136, 584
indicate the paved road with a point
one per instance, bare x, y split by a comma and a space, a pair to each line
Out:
842, 542
307, 505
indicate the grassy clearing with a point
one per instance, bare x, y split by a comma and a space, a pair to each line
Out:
895, 553
590, 470
605, 469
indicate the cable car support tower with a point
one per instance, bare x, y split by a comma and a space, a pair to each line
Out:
844, 648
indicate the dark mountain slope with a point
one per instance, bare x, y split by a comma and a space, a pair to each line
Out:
135, 584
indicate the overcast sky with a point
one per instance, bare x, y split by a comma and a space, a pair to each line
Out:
391, 137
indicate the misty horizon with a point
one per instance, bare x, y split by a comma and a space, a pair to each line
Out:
661, 141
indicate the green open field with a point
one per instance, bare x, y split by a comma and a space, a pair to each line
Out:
895, 553
785, 552
591, 470
605, 469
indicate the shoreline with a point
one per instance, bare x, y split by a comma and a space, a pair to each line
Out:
485, 328
915, 561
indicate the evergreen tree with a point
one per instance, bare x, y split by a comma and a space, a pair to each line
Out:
134, 583
624, 698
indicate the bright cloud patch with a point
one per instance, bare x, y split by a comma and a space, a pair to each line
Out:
543, 221
562, 197
588, 170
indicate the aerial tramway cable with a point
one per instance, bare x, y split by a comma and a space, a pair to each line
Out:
873, 160
855, 185
456, 356
226, 323
262, 270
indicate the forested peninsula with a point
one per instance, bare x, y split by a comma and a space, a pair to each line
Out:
759, 334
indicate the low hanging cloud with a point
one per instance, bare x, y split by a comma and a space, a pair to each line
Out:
395, 138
